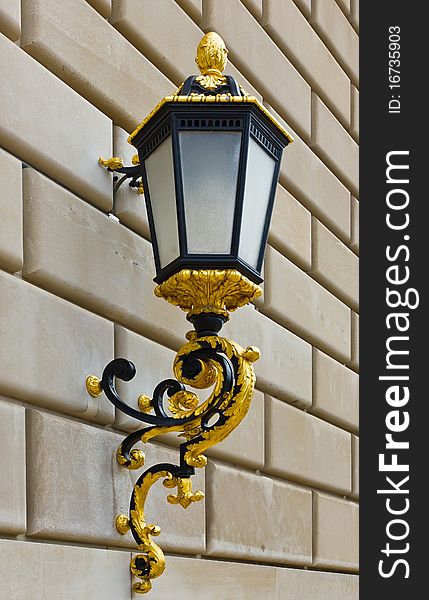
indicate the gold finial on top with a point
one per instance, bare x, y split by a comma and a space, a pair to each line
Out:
212, 55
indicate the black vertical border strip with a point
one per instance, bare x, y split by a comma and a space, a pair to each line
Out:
381, 132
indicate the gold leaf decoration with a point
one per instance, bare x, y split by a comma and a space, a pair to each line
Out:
111, 163
208, 290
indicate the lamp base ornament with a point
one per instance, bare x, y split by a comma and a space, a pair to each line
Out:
204, 362
208, 291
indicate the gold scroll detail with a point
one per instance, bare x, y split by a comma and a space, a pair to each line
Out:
153, 559
111, 163
211, 59
208, 291
234, 405
145, 403
136, 460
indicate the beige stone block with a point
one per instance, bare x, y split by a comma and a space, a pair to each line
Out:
209, 579
261, 60
336, 31
52, 128
153, 363
290, 230
51, 348
296, 301
354, 242
335, 146
10, 18
245, 445
101, 489
102, 6
336, 533
355, 114
12, 469
284, 369
194, 8
334, 265
299, 584
354, 363
354, 14
344, 4
313, 184
255, 7
244, 83
233, 495
304, 6
139, 23
186, 578
303, 448
86, 52
128, 205
94, 261
54, 572
355, 467
335, 392
293, 34
10, 212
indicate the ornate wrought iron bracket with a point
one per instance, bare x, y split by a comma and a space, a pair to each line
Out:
116, 165
208, 287
205, 361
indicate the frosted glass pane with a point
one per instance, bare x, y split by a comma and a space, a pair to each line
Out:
259, 179
210, 171
160, 177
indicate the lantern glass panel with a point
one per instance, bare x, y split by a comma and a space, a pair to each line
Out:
210, 161
259, 181
162, 193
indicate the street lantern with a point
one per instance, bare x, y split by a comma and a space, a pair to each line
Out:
210, 167
208, 163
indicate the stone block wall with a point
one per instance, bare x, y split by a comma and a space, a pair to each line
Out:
280, 518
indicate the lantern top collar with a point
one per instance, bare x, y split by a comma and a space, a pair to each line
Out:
211, 86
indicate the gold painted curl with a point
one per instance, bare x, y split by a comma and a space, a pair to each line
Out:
150, 564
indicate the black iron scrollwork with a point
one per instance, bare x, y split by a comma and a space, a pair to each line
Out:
204, 362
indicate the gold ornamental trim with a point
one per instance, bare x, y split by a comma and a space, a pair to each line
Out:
215, 98
208, 291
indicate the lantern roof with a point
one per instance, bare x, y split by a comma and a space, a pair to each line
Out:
211, 86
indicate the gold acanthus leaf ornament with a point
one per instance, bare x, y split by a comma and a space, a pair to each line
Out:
208, 291
211, 59
185, 497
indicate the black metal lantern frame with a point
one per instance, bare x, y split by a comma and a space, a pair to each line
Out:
206, 284
241, 118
